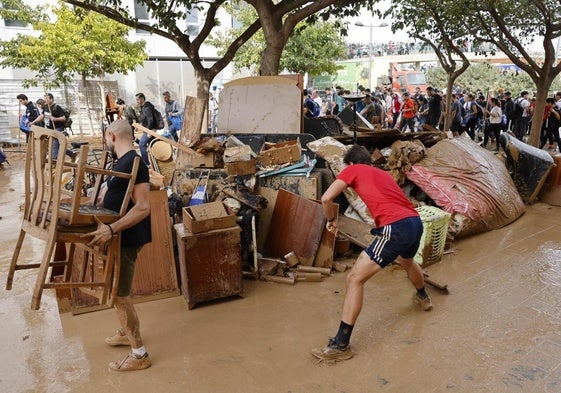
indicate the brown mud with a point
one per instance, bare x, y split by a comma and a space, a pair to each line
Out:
497, 331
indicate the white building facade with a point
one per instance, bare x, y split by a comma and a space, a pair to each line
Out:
167, 69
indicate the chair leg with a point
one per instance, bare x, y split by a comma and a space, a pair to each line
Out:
69, 263
42, 274
15, 256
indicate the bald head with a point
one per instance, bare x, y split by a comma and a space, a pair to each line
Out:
120, 128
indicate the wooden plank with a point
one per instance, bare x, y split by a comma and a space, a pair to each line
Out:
357, 232
193, 123
155, 271
265, 215
326, 249
181, 147
296, 225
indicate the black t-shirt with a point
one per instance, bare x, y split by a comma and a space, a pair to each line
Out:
140, 233
31, 111
57, 112
553, 122
435, 105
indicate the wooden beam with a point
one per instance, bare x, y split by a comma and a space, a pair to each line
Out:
183, 148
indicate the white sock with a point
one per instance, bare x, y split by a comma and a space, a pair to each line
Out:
139, 352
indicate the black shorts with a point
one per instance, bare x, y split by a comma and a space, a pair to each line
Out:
401, 238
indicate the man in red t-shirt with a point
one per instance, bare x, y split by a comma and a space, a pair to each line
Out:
397, 236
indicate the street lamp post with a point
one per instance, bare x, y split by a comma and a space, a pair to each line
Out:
382, 24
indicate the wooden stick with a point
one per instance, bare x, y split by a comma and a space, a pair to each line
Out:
282, 280
311, 269
310, 277
181, 147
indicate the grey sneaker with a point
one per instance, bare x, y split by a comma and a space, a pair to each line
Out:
424, 302
131, 363
333, 352
119, 338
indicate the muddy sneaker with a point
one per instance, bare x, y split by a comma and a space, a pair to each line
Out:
424, 302
333, 352
131, 363
117, 339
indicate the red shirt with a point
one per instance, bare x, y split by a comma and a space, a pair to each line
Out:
384, 199
408, 109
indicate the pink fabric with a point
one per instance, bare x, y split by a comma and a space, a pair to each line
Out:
463, 178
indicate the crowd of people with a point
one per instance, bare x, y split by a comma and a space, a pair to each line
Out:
482, 117
392, 48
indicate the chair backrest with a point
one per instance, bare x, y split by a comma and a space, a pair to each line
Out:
43, 175
81, 213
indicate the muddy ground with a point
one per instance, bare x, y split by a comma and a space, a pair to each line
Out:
497, 331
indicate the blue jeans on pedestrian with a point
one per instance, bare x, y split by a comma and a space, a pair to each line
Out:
56, 145
143, 146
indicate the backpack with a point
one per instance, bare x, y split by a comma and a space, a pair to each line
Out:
479, 110
315, 107
518, 110
158, 119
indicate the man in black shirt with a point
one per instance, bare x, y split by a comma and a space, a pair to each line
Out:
147, 120
435, 107
31, 113
135, 231
53, 118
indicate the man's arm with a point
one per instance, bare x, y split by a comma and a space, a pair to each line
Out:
140, 210
177, 109
329, 208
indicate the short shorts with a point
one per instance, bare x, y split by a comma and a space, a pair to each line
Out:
128, 260
400, 238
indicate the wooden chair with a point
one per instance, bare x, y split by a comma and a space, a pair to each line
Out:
47, 218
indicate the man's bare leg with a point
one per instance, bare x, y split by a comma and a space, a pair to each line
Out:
363, 269
338, 347
128, 319
415, 274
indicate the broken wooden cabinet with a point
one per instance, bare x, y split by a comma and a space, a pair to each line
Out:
209, 264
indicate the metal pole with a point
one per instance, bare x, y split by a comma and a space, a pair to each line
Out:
370, 59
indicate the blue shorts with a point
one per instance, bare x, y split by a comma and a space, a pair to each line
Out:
400, 238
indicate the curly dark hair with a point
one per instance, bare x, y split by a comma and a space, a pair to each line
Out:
357, 155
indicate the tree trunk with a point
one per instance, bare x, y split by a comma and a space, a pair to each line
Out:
448, 102
270, 61
542, 88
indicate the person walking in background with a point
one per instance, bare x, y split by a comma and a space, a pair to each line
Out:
551, 125
422, 112
31, 113
135, 229
435, 107
397, 234
396, 109
407, 113
212, 112
53, 117
521, 123
174, 114
495, 122
470, 115
146, 120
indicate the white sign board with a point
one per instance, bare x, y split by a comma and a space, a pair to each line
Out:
260, 105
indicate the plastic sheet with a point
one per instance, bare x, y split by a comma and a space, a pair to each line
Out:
469, 182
